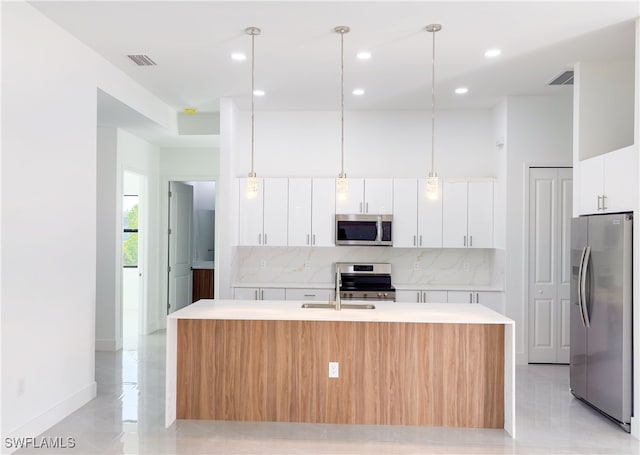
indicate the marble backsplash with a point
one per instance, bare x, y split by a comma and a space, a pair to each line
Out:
441, 266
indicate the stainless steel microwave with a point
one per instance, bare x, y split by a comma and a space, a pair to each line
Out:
366, 230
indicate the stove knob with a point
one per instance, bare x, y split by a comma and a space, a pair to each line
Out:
380, 294
351, 294
364, 295
386, 294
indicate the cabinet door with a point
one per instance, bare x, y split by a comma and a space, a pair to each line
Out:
246, 293
493, 300
480, 215
429, 217
272, 294
378, 196
322, 295
323, 209
275, 212
408, 296
405, 213
250, 215
460, 297
299, 225
454, 214
620, 169
354, 199
435, 297
591, 184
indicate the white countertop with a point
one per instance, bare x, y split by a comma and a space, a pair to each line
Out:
443, 313
203, 265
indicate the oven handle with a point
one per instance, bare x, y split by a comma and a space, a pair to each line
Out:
379, 229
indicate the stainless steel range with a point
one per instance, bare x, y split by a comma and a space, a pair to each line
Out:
365, 281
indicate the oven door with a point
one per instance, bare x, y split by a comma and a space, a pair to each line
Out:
364, 230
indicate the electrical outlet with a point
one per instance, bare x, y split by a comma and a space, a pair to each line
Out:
334, 371
263, 264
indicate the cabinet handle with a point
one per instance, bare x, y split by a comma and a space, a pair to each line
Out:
361, 207
256, 291
307, 239
366, 210
259, 239
414, 240
464, 242
470, 240
599, 198
418, 297
424, 297
604, 203
477, 297
313, 239
265, 238
309, 295
471, 297
262, 295
420, 240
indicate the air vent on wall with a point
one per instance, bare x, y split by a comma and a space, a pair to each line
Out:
565, 78
142, 60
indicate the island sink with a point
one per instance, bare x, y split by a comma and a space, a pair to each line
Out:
345, 306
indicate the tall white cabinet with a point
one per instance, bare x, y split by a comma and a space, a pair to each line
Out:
263, 219
467, 214
417, 220
311, 212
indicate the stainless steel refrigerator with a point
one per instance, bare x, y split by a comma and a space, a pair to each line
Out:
601, 321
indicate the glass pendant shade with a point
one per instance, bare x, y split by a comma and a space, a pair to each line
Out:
433, 186
252, 186
342, 187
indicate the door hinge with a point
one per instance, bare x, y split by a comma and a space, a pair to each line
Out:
169, 193
169, 231
169, 268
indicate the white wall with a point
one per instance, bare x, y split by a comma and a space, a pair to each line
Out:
48, 217
539, 132
377, 143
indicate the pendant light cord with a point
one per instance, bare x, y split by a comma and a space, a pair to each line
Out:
253, 37
433, 102
342, 103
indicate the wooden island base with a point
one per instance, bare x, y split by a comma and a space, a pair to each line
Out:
391, 373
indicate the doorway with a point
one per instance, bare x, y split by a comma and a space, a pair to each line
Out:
550, 212
191, 243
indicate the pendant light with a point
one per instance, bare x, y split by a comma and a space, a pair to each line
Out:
252, 179
342, 185
432, 179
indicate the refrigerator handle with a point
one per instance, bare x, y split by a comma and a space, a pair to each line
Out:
580, 272
583, 287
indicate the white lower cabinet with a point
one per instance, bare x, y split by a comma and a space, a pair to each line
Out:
421, 296
259, 293
490, 299
322, 295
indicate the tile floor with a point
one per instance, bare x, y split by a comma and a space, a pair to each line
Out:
127, 416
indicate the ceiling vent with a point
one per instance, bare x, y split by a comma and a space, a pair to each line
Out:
565, 78
142, 60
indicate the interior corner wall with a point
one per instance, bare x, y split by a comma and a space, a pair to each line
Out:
539, 132
48, 215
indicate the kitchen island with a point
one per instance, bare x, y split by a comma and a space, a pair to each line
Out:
399, 364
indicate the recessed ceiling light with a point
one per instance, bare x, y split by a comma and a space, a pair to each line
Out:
364, 55
358, 91
462, 90
492, 53
258, 92
239, 56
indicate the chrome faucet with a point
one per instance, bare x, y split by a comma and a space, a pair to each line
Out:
338, 284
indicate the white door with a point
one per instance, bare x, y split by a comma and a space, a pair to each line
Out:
429, 217
454, 214
180, 217
353, 202
480, 215
405, 213
299, 225
275, 212
251, 213
323, 211
550, 197
378, 196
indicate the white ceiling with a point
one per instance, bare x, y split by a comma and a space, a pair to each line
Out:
298, 54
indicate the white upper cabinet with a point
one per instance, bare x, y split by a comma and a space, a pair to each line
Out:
604, 182
467, 214
417, 220
372, 196
311, 212
263, 219
250, 215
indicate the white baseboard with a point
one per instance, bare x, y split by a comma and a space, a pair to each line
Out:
49, 418
635, 427
106, 345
